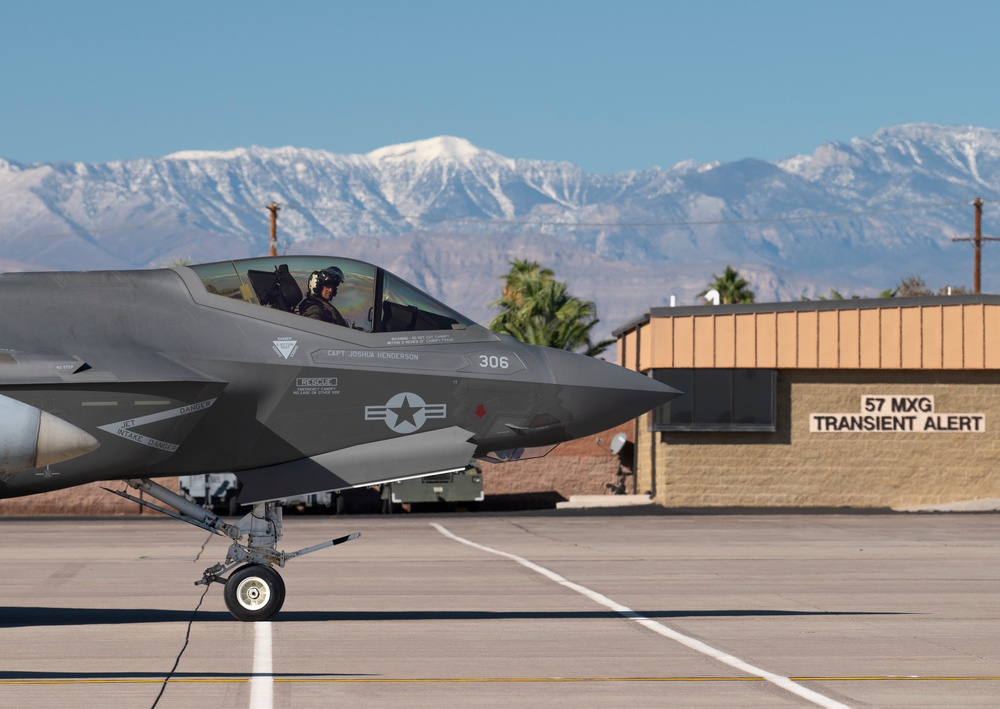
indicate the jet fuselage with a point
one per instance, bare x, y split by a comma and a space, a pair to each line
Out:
179, 371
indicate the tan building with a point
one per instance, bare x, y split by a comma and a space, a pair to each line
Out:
846, 403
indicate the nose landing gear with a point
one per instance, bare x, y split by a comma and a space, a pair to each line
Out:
254, 591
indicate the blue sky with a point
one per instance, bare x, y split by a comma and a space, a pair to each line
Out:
608, 86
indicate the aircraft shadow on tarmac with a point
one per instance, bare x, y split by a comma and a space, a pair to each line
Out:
30, 616
16, 675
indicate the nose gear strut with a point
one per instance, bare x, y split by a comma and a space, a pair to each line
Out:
255, 591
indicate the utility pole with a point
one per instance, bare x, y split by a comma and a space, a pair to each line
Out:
977, 242
274, 209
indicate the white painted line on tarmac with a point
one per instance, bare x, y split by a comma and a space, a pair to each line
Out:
262, 681
697, 645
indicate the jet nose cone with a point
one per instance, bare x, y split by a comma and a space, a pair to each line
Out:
600, 395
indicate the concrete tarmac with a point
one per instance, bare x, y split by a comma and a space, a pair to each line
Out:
583, 610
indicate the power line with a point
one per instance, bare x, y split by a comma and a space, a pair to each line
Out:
519, 222
141, 225
707, 222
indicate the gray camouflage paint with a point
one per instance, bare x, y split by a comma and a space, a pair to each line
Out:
173, 380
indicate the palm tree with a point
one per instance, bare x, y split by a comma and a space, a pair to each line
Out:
914, 286
537, 309
523, 272
911, 287
522, 286
732, 287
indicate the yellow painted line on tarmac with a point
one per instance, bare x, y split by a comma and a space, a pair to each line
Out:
486, 680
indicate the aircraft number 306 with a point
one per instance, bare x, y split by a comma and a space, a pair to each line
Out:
493, 362
502, 364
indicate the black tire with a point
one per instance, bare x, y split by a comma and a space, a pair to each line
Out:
340, 504
232, 506
254, 592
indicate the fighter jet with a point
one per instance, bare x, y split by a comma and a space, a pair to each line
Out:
134, 375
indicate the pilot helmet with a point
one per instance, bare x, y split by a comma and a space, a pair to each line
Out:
329, 276
336, 274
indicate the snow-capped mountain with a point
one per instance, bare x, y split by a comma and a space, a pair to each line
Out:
855, 216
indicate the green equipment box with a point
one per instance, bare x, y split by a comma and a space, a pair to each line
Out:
463, 486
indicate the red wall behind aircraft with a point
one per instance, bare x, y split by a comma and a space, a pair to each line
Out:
580, 467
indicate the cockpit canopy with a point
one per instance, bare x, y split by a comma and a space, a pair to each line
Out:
370, 298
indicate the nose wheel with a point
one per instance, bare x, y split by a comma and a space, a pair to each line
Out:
254, 592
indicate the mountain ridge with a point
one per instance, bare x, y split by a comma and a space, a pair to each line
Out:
855, 216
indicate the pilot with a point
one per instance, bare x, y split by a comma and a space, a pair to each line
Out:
322, 287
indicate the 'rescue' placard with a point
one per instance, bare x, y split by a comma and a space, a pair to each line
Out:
897, 414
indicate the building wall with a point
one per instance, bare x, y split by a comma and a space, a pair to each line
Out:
794, 468
646, 457
90, 499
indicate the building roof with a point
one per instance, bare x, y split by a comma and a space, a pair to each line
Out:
808, 305
939, 332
